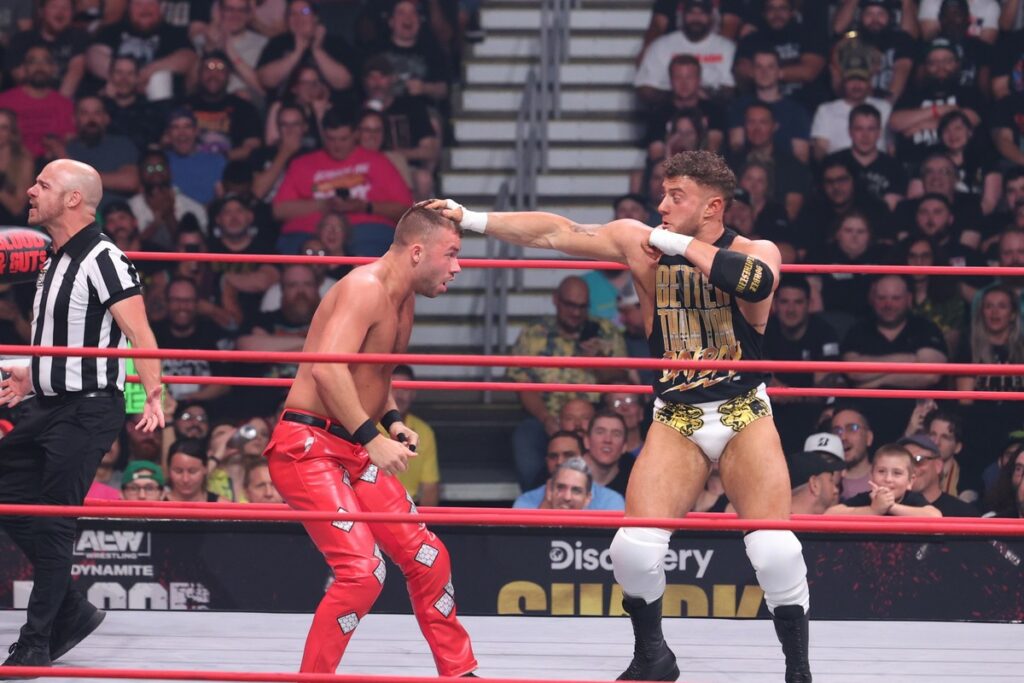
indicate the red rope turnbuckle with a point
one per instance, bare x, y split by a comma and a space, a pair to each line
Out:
567, 264
543, 518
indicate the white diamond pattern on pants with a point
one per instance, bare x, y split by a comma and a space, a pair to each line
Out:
449, 588
369, 474
348, 623
381, 572
342, 524
426, 555
445, 604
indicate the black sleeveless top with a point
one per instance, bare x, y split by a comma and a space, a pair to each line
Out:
695, 320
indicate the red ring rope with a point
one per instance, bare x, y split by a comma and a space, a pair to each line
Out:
618, 363
458, 385
566, 264
507, 512
252, 676
831, 524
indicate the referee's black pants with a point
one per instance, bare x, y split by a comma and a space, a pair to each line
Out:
50, 458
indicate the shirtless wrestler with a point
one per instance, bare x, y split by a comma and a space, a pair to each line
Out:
705, 293
326, 452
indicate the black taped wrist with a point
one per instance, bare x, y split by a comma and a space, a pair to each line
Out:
747, 277
390, 418
366, 433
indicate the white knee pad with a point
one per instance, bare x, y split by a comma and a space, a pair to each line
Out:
778, 561
638, 554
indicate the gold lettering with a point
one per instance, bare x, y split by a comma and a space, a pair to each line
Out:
676, 594
750, 602
592, 599
519, 597
563, 599
755, 283
674, 291
748, 264
663, 286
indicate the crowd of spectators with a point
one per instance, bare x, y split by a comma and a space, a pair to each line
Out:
234, 127
861, 131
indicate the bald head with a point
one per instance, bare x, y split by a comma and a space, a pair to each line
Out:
74, 176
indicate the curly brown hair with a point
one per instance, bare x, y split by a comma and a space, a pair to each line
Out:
707, 169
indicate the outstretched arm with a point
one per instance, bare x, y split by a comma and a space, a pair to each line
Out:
609, 242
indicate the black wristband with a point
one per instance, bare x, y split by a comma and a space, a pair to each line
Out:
366, 433
390, 418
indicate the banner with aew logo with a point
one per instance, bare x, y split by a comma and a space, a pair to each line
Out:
273, 567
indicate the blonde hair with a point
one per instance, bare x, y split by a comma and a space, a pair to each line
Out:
981, 347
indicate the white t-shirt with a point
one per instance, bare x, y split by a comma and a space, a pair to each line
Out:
832, 122
984, 13
715, 53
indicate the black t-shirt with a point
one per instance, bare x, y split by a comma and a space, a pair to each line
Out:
820, 342
249, 301
334, 45
790, 43
126, 41
773, 223
1008, 59
618, 484
893, 44
882, 176
791, 176
225, 124
658, 122
951, 506
206, 336
183, 12
918, 333
847, 292
912, 150
142, 122
1009, 113
423, 61
406, 122
910, 498
818, 217
1000, 356
975, 55
966, 214
70, 43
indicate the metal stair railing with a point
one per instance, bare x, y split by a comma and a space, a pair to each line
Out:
541, 101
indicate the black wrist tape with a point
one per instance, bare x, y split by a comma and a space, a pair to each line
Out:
390, 418
747, 277
366, 433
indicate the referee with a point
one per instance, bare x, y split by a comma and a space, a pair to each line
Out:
88, 295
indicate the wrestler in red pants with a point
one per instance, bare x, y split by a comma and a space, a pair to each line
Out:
315, 470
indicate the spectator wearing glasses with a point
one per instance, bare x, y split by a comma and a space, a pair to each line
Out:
270, 161
142, 480
928, 474
854, 431
570, 332
161, 207
312, 247
228, 124
892, 476
191, 421
562, 447
228, 32
632, 408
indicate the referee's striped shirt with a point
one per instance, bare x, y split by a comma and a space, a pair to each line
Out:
74, 291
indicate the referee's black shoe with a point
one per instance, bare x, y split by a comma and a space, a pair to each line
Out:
793, 629
652, 658
25, 655
69, 632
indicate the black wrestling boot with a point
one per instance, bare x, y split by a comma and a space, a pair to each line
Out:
652, 658
793, 629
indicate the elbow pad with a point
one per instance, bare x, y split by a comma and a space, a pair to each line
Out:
747, 277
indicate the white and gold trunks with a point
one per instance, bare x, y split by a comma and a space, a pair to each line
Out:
712, 425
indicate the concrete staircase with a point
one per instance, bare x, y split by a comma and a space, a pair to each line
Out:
592, 151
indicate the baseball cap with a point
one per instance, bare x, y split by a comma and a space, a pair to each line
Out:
742, 196
941, 43
142, 469
824, 442
857, 66
181, 113
803, 466
922, 440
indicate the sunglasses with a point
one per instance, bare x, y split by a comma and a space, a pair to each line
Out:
918, 459
314, 252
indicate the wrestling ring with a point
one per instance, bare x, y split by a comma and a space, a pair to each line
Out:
388, 648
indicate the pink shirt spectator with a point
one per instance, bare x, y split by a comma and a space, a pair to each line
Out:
39, 117
100, 491
366, 174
